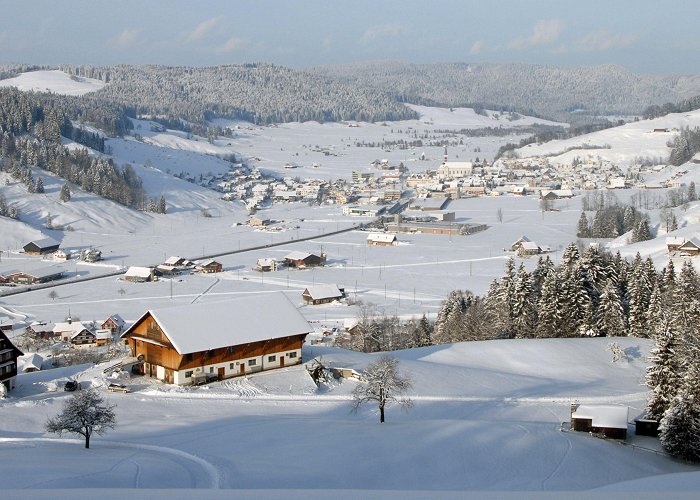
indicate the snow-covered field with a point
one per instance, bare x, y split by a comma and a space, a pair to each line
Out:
487, 415
54, 81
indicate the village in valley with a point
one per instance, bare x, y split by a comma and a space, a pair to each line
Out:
248, 303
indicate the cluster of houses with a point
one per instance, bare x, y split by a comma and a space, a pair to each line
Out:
172, 266
79, 333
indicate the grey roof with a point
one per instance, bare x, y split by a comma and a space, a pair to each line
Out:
297, 255
205, 326
319, 292
45, 242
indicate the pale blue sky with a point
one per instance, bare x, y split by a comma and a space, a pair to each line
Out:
641, 35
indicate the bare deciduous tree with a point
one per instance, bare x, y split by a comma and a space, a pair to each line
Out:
382, 385
84, 413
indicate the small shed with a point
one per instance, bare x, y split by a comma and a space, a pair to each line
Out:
382, 239
30, 363
41, 246
609, 420
321, 294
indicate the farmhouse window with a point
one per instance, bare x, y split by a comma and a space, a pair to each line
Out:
211, 369
293, 354
188, 374
230, 366
272, 358
252, 362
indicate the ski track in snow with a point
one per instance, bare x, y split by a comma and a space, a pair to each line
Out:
213, 477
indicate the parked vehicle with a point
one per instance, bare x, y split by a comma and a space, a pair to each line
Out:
117, 388
72, 385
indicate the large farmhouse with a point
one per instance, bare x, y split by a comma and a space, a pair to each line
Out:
219, 340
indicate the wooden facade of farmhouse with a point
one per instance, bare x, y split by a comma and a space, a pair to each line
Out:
200, 342
164, 362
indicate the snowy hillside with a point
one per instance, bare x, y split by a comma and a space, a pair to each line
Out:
621, 145
54, 81
487, 417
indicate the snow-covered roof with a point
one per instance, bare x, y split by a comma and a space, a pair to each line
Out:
40, 272
29, 362
73, 327
318, 292
140, 272
528, 245
173, 261
381, 237
297, 255
610, 416
675, 240
103, 334
45, 242
205, 326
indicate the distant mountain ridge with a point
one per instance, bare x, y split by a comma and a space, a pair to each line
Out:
265, 93
552, 92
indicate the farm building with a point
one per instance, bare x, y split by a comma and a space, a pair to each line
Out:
218, 340
304, 259
321, 294
436, 227
114, 323
208, 266
382, 239
526, 248
41, 246
39, 275
266, 265
40, 329
605, 419
674, 243
61, 256
8, 361
139, 274
690, 248
70, 329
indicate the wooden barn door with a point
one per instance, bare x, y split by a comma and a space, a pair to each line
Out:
242, 369
282, 361
222, 373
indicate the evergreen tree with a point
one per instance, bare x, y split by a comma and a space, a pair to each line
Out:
583, 229
522, 307
39, 187
611, 320
161, 205
663, 375
680, 425
64, 195
571, 255
549, 307
692, 194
